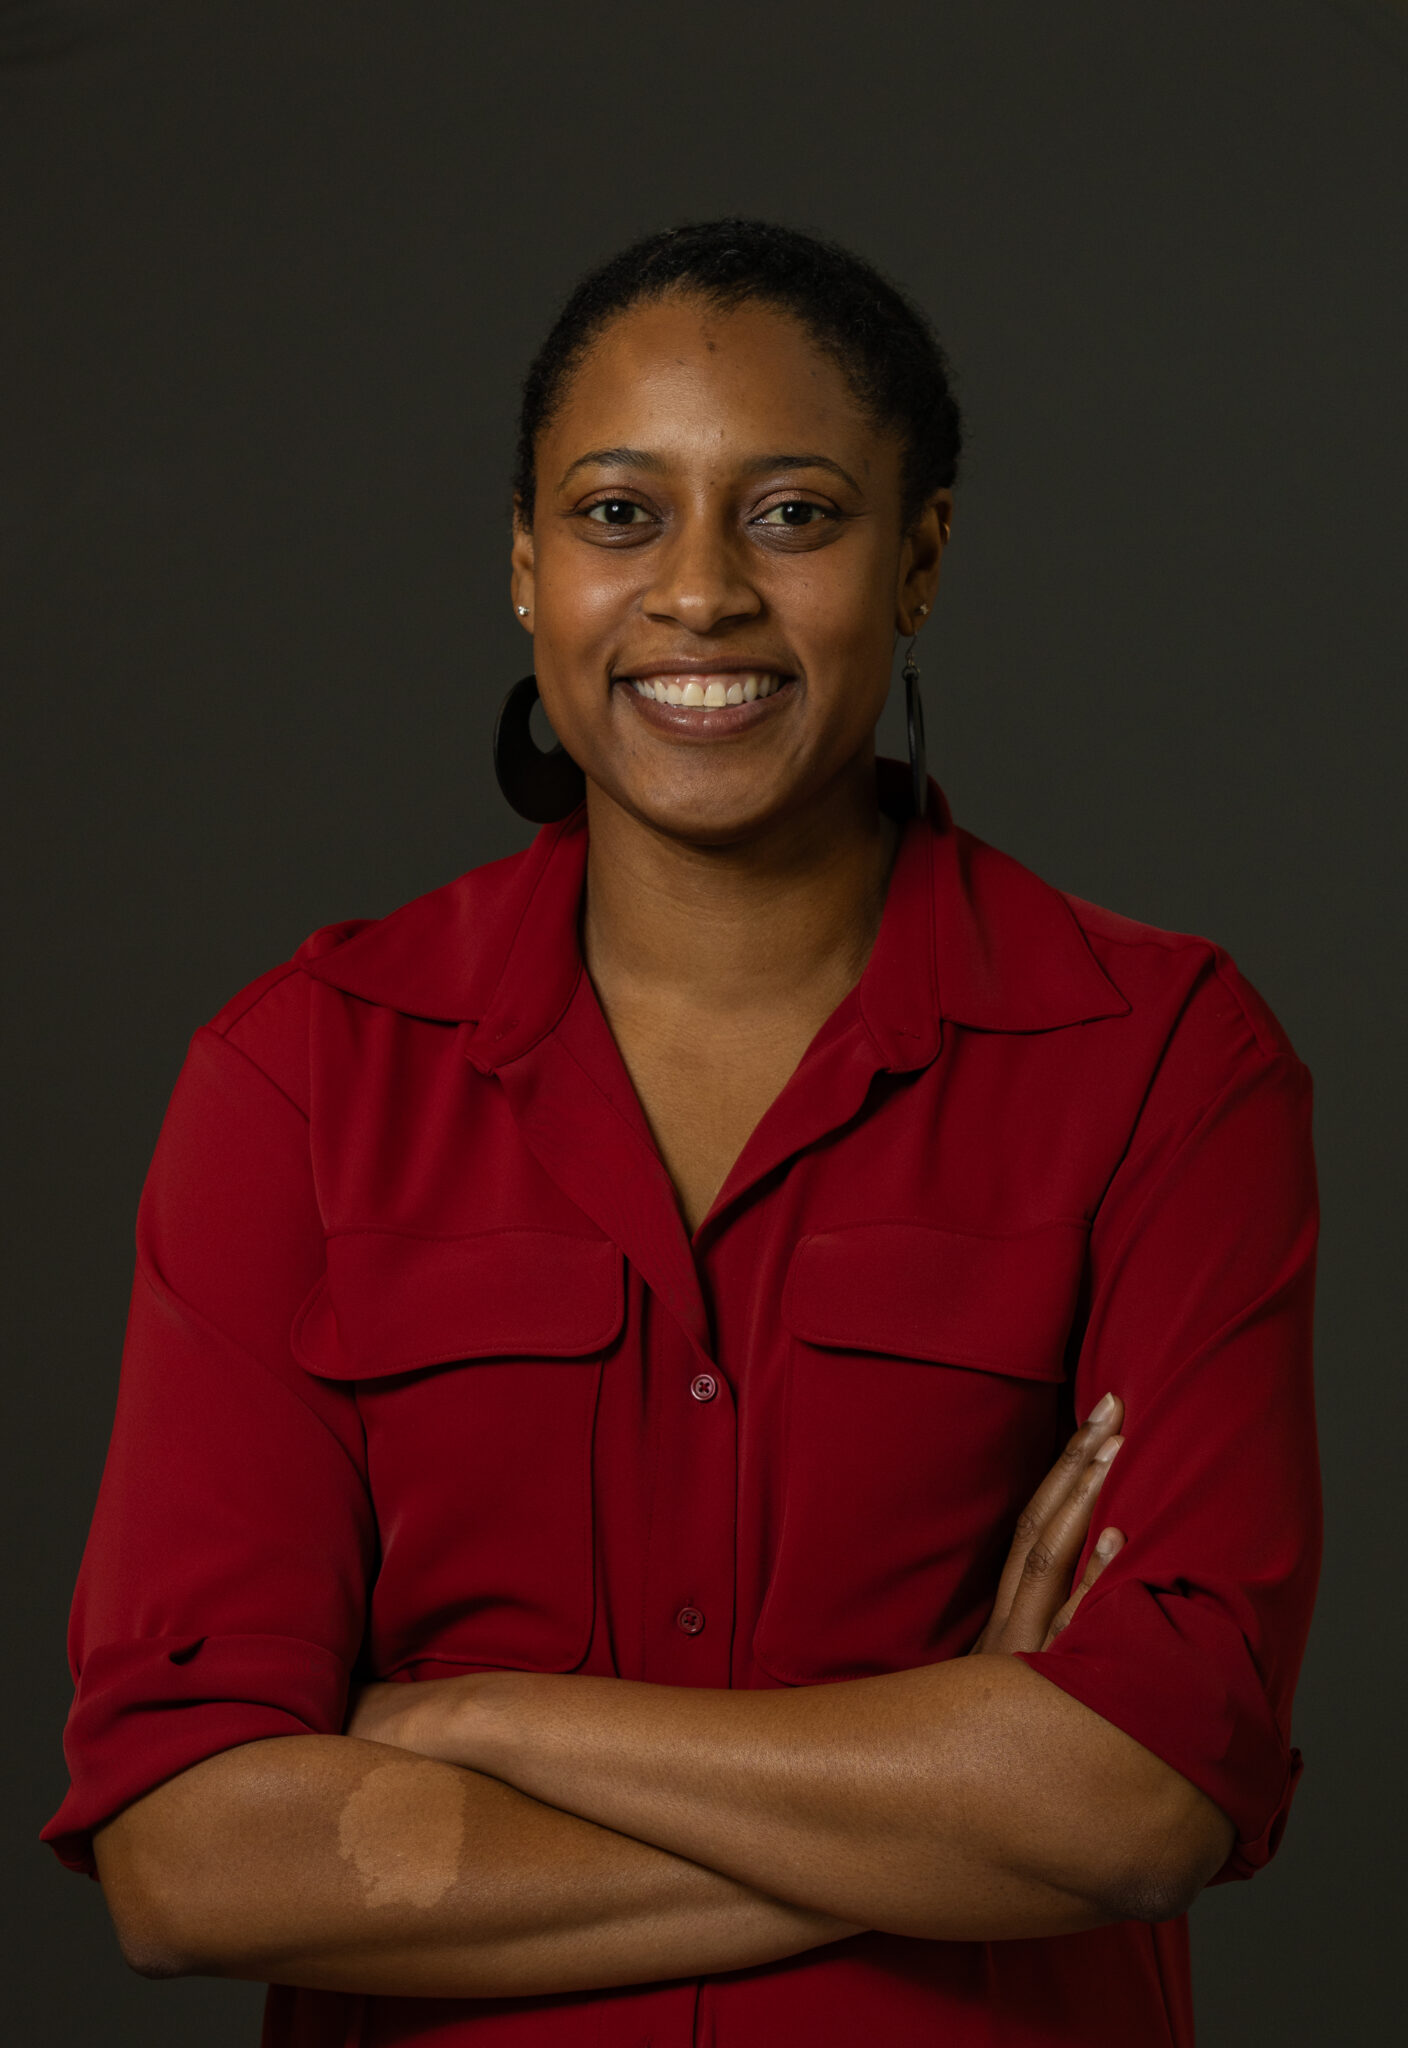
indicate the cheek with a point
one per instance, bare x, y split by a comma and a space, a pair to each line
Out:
842, 625
585, 597
842, 596
592, 581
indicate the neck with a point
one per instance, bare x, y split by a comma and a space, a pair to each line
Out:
744, 928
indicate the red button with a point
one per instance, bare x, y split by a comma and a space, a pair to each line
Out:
704, 1386
690, 1620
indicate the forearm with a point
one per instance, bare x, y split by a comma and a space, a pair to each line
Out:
965, 1800
345, 1865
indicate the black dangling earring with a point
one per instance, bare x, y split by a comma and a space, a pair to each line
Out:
914, 725
541, 787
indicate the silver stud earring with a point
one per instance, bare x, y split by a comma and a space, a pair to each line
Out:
523, 611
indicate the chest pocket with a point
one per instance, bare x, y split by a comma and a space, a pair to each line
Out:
476, 1364
925, 1372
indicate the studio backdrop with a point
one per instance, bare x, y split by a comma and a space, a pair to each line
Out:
272, 270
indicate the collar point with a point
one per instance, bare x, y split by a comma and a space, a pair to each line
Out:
903, 1048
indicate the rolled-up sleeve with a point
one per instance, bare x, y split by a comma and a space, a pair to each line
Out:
222, 1592
1199, 1316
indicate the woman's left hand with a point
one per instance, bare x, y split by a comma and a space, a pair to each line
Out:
1034, 1597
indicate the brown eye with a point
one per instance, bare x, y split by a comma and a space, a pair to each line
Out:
617, 512
794, 512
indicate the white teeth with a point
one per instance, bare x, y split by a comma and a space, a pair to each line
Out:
711, 696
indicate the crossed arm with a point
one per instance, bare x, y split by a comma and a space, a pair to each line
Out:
506, 1834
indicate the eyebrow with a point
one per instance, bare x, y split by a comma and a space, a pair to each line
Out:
615, 458
641, 458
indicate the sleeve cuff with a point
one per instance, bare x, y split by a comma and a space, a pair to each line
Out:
1175, 1673
147, 1710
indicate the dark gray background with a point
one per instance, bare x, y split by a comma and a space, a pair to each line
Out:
273, 271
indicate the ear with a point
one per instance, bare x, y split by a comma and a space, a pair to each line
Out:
921, 559
521, 569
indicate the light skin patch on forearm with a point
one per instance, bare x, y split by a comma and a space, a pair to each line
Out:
402, 1831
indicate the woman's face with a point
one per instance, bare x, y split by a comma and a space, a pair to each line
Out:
718, 525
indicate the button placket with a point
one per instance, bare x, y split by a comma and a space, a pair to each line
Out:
690, 1561
690, 1620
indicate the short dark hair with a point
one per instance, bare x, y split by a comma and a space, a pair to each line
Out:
881, 341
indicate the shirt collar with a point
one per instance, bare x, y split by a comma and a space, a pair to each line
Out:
496, 948
971, 937
968, 935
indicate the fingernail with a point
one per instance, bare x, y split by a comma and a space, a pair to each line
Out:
1102, 1411
1109, 1543
1107, 1451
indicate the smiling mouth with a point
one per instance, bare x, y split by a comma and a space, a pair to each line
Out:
708, 693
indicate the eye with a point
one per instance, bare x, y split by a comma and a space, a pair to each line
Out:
795, 512
617, 512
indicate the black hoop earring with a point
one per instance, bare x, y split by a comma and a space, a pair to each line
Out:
541, 787
914, 726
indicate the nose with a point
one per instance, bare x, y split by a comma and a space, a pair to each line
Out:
700, 579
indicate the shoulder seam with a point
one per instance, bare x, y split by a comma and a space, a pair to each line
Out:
1220, 961
264, 986
1140, 935
239, 1053
1267, 1047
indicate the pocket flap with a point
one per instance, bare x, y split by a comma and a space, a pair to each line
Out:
392, 1303
952, 1297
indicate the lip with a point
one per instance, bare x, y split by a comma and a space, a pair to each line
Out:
695, 665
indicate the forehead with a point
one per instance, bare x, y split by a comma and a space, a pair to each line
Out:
691, 382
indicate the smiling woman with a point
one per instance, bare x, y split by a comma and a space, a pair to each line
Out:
663, 511
700, 555
599, 1542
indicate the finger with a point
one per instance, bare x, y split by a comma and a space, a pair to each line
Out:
1051, 1557
1057, 1486
1110, 1543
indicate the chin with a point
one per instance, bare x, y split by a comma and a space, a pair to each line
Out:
707, 810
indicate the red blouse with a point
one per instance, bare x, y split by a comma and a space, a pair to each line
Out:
423, 1374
